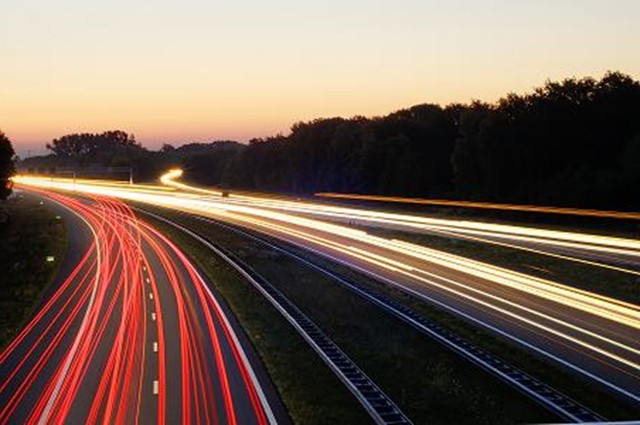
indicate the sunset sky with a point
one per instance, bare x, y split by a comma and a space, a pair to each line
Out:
201, 70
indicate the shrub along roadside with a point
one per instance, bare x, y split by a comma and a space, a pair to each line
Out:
29, 233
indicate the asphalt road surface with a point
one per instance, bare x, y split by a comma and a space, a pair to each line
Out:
130, 333
590, 335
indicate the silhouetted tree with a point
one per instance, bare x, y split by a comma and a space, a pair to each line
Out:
565, 144
7, 157
167, 148
103, 146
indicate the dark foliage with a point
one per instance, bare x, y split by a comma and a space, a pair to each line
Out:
572, 143
7, 157
110, 147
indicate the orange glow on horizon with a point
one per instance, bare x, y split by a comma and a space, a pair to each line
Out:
203, 71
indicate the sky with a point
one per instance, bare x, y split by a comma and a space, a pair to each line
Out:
202, 70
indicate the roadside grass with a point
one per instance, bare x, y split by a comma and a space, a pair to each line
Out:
310, 392
29, 232
430, 383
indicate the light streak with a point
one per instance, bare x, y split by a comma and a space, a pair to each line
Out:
600, 328
84, 356
551, 241
485, 205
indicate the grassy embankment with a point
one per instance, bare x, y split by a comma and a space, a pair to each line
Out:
430, 383
29, 232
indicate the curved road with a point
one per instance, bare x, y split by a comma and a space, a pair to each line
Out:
132, 334
594, 336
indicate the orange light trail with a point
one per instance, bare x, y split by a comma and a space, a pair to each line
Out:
485, 205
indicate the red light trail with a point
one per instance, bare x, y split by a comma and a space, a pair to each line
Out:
132, 335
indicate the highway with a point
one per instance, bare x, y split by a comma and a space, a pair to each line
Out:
595, 337
601, 251
131, 333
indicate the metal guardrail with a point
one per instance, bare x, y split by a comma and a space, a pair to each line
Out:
379, 406
552, 399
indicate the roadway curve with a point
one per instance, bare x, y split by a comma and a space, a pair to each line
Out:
131, 334
594, 336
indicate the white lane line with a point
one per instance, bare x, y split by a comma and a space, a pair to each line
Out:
148, 280
155, 347
155, 387
245, 360
144, 268
150, 295
153, 316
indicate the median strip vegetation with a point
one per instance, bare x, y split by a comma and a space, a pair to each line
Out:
33, 241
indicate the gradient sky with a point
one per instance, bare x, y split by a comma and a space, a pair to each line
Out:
200, 70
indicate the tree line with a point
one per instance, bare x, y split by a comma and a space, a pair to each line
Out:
570, 143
